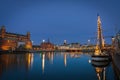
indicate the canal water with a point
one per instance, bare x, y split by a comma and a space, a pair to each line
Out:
52, 66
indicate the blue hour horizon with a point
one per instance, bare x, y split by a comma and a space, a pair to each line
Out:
74, 21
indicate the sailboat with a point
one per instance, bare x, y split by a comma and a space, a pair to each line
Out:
99, 54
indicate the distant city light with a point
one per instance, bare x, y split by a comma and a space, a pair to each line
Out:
88, 40
43, 40
65, 41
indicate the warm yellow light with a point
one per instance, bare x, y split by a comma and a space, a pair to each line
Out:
97, 50
99, 21
43, 62
8, 41
98, 70
28, 46
30, 59
103, 42
5, 47
65, 60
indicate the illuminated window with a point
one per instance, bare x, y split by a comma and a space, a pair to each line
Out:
8, 41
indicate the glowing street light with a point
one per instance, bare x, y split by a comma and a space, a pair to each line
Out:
43, 40
88, 41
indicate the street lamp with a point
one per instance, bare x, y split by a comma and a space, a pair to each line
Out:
43, 41
88, 41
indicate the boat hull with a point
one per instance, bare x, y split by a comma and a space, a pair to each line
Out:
99, 58
100, 63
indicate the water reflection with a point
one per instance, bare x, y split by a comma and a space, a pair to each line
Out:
101, 68
29, 59
19, 60
52, 66
46, 55
65, 59
50, 57
43, 62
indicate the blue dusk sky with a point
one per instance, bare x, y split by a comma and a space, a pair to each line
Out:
59, 20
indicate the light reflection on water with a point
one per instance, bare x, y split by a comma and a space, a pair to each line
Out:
52, 66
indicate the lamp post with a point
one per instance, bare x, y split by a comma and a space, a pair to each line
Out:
88, 42
43, 40
113, 42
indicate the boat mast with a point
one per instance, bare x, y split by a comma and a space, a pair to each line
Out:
99, 32
100, 40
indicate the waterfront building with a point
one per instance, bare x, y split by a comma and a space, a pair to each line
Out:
68, 46
10, 41
36, 47
47, 45
74, 45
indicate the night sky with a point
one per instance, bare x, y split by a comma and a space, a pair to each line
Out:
72, 20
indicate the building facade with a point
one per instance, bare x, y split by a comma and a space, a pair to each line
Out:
47, 46
10, 41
